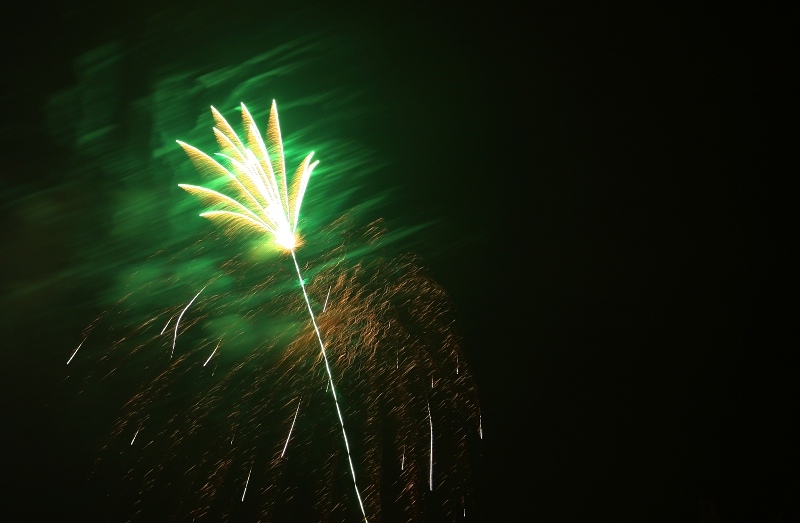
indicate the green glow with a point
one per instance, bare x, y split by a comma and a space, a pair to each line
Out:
131, 254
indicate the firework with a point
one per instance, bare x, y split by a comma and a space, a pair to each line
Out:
257, 176
228, 415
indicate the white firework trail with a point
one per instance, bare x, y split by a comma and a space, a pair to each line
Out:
76, 351
325, 305
291, 428
212, 354
177, 323
430, 468
247, 482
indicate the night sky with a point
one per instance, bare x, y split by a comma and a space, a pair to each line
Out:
607, 201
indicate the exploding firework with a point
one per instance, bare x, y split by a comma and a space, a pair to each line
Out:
233, 415
259, 179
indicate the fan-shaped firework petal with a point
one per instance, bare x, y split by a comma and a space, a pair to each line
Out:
250, 177
216, 198
227, 147
242, 186
299, 185
254, 141
225, 128
276, 151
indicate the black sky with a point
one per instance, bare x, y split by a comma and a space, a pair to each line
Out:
618, 238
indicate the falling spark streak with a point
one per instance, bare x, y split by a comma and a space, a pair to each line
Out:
212, 354
247, 482
325, 305
430, 420
175, 338
166, 325
403, 459
374, 294
260, 176
291, 428
76, 351
134, 436
330, 381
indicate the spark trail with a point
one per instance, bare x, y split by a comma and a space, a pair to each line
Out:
330, 382
430, 468
177, 323
247, 483
290, 429
212, 354
325, 305
76, 351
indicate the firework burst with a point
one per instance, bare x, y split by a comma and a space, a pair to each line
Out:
259, 179
232, 417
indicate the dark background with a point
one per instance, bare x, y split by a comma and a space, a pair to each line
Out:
615, 206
